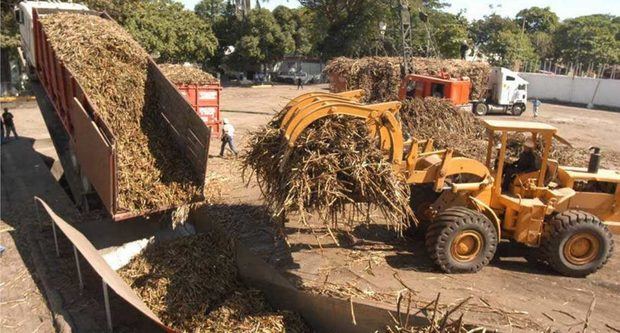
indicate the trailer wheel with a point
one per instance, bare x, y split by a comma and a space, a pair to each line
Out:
578, 243
461, 240
518, 109
480, 109
422, 197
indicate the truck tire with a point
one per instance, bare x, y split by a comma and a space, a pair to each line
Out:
518, 109
422, 196
577, 244
461, 240
480, 109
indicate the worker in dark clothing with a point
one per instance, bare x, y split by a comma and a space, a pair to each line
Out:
300, 83
464, 48
529, 161
9, 125
2, 130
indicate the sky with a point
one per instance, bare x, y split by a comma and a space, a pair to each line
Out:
475, 9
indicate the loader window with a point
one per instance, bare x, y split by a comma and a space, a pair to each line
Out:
411, 88
437, 90
510, 78
521, 87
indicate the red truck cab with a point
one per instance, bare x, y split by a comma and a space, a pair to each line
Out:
415, 85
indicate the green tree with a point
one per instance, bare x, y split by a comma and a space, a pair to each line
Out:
485, 31
448, 32
117, 9
9, 33
295, 26
537, 20
178, 35
543, 44
513, 49
262, 41
9, 39
210, 9
586, 39
501, 40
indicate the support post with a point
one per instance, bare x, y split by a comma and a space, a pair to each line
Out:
106, 299
55, 239
77, 264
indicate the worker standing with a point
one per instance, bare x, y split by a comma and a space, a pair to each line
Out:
464, 48
9, 125
228, 133
536, 103
300, 83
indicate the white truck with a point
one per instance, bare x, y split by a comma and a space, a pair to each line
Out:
506, 93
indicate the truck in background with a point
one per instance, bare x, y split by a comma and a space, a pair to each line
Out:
506, 91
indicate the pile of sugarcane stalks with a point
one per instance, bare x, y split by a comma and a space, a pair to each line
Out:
192, 285
112, 68
333, 166
449, 127
438, 119
380, 76
181, 74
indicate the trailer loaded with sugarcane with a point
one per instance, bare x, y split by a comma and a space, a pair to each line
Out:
135, 141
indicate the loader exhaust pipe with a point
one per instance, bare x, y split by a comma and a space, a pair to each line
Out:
595, 159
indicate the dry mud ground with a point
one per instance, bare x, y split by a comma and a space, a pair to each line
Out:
509, 294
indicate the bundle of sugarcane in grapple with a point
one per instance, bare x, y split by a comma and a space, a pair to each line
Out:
328, 167
314, 157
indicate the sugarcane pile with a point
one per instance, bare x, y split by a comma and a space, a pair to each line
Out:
192, 285
438, 119
180, 74
380, 76
112, 69
333, 164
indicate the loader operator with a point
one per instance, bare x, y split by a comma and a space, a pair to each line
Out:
529, 161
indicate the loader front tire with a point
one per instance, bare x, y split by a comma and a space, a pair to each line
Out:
577, 243
421, 199
461, 240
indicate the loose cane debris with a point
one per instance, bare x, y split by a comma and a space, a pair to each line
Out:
192, 284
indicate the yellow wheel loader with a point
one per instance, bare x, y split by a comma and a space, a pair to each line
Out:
566, 213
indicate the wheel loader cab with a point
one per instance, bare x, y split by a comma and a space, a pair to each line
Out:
498, 131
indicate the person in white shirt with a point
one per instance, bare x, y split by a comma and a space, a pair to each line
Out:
228, 133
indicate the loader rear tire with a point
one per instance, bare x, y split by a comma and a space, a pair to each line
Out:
461, 240
577, 244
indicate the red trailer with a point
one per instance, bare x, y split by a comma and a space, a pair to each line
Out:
205, 99
92, 142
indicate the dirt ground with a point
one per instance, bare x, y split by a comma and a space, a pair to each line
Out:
509, 294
